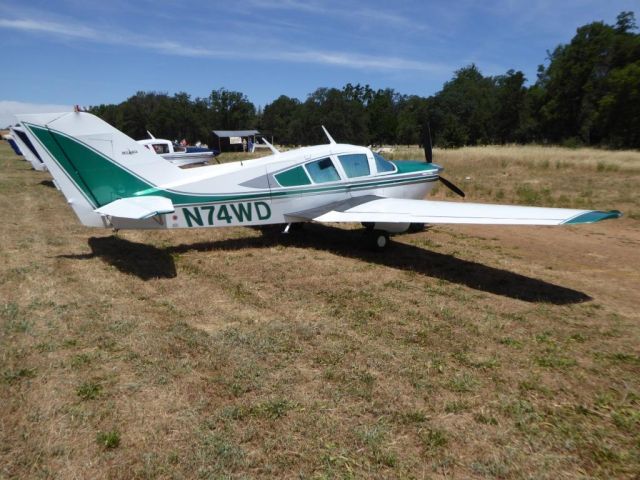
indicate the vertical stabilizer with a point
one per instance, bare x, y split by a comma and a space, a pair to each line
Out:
94, 163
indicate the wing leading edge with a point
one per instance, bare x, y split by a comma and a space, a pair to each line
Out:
392, 210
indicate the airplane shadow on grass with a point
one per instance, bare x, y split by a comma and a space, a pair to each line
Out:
147, 261
47, 183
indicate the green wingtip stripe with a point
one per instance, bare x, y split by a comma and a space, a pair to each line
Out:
595, 216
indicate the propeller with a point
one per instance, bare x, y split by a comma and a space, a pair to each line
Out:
451, 186
426, 142
428, 155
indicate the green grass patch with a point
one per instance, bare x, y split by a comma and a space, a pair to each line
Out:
89, 390
463, 383
109, 440
15, 375
433, 438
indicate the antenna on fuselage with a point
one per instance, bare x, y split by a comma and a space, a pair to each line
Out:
150, 135
331, 140
271, 147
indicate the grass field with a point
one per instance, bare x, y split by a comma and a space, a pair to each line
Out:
461, 352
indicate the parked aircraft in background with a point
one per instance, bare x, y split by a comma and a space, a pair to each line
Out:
111, 181
177, 154
26, 148
12, 143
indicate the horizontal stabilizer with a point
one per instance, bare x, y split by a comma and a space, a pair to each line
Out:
393, 210
137, 208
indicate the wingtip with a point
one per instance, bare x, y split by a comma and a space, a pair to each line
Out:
594, 216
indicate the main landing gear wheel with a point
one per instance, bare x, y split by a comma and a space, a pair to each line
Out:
378, 239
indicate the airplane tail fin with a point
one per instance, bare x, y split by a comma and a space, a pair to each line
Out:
93, 163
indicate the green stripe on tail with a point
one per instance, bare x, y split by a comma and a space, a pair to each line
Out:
100, 180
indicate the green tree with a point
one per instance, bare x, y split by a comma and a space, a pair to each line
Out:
382, 115
231, 110
344, 117
578, 79
412, 115
280, 118
462, 112
618, 117
511, 109
136, 114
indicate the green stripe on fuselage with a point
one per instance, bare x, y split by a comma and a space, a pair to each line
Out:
412, 166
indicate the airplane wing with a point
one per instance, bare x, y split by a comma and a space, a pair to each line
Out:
137, 208
392, 210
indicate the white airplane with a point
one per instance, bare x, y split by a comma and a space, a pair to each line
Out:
176, 154
111, 181
26, 148
12, 143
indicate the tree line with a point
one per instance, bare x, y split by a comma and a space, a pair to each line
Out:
588, 93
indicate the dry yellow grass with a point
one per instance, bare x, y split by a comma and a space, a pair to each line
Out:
531, 155
544, 176
461, 352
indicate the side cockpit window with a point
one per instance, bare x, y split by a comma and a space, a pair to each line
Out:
383, 165
355, 165
322, 171
293, 177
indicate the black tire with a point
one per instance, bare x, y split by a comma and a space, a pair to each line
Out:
379, 240
416, 227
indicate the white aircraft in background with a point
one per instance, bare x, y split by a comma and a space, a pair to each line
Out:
176, 154
112, 181
26, 148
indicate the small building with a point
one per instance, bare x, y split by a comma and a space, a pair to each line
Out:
233, 140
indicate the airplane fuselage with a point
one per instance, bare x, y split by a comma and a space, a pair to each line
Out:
267, 190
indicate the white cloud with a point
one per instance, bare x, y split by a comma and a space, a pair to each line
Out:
9, 108
353, 14
359, 61
255, 52
67, 30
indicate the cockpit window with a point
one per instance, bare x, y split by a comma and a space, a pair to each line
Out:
382, 164
322, 171
160, 148
355, 165
293, 177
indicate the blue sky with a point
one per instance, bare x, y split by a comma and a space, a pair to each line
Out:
64, 52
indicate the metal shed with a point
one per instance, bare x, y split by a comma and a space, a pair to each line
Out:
233, 140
